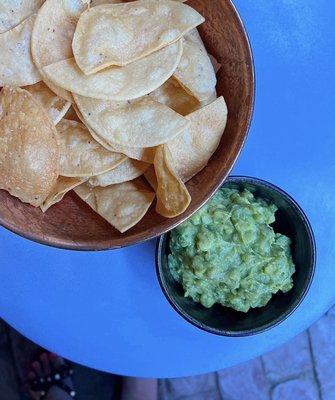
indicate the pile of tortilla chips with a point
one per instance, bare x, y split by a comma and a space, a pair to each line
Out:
114, 100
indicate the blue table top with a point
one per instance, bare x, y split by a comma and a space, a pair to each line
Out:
106, 310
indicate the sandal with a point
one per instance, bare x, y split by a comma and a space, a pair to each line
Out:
40, 382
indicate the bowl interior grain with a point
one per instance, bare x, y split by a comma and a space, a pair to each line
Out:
72, 224
291, 221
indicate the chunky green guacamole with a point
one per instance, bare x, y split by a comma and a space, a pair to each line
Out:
228, 253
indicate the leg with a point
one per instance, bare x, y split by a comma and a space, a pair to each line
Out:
139, 389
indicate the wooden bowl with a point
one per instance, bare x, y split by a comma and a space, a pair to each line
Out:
72, 224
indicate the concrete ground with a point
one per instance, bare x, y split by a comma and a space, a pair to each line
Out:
302, 369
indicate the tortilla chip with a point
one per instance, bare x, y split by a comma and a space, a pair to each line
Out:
210, 100
193, 148
119, 34
55, 106
80, 154
174, 96
118, 83
141, 154
216, 65
150, 176
95, 3
13, 12
126, 171
195, 71
145, 154
74, 8
16, 64
138, 123
29, 157
52, 36
170, 94
194, 36
173, 197
122, 205
63, 186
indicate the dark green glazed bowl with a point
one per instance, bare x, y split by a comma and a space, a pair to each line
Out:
291, 221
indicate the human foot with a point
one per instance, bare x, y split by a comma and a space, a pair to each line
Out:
50, 378
139, 389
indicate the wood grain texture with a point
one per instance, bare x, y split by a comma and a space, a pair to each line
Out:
72, 224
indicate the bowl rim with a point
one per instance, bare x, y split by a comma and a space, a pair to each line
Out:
105, 245
297, 302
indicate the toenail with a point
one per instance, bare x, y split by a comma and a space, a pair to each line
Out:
57, 377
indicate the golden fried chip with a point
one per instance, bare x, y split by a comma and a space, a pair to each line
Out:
119, 34
176, 97
52, 36
126, 171
13, 12
122, 205
192, 149
216, 65
173, 197
145, 154
29, 155
55, 106
137, 123
95, 3
80, 154
194, 36
76, 115
210, 100
137, 153
118, 83
195, 71
150, 176
63, 186
16, 64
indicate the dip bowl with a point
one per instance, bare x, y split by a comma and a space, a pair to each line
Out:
290, 221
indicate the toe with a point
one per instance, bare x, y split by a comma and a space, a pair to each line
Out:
56, 361
34, 395
45, 362
31, 376
37, 368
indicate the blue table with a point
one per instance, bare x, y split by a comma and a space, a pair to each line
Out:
106, 310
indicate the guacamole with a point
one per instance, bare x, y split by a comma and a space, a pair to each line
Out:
228, 253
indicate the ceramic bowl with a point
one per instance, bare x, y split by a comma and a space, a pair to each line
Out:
291, 221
